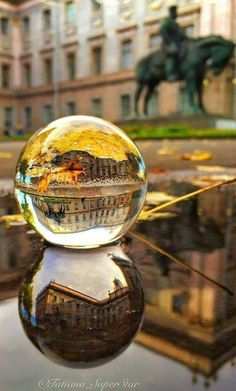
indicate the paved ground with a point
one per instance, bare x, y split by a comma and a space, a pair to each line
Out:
223, 153
8, 164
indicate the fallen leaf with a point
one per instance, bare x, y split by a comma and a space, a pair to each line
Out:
157, 170
10, 220
208, 180
210, 168
154, 216
197, 156
5, 155
156, 198
167, 151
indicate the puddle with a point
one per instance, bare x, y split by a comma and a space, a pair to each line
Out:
189, 323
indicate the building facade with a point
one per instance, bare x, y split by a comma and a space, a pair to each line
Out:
58, 302
65, 57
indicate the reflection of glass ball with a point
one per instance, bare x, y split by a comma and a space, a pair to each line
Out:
81, 307
80, 182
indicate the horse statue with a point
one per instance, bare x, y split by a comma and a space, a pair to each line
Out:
196, 56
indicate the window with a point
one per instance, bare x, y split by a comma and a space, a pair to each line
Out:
179, 303
97, 107
8, 118
5, 75
97, 5
26, 25
47, 113
155, 41
4, 26
125, 105
54, 298
71, 109
47, 19
125, 8
48, 70
71, 66
27, 75
126, 55
70, 11
97, 60
27, 118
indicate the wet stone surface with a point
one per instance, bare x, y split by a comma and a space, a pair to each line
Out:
84, 308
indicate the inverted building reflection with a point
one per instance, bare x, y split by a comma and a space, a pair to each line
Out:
14, 248
74, 215
188, 318
81, 308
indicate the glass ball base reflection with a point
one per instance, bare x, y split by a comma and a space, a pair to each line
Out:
80, 182
81, 308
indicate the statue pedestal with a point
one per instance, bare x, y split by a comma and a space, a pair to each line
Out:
225, 123
196, 121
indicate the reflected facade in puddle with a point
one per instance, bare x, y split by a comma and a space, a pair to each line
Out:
15, 246
81, 308
188, 318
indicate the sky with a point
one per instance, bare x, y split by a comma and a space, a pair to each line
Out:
88, 271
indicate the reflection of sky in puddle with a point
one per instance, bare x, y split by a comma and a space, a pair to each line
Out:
87, 271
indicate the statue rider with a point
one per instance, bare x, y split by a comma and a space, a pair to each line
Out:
172, 35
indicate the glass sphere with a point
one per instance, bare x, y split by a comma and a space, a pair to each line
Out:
80, 182
81, 308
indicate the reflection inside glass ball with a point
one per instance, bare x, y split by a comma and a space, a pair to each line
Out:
80, 182
81, 307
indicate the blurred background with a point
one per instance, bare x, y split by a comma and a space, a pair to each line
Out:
61, 58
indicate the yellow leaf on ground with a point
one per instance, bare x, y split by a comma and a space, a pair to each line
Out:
5, 155
196, 156
210, 168
167, 151
208, 180
154, 216
9, 220
156, 198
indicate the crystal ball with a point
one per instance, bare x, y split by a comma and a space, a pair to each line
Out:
81, 307
80, 182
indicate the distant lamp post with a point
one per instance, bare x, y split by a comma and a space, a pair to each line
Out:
56, 55
233, 28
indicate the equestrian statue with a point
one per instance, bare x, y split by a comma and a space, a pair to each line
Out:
181, 59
